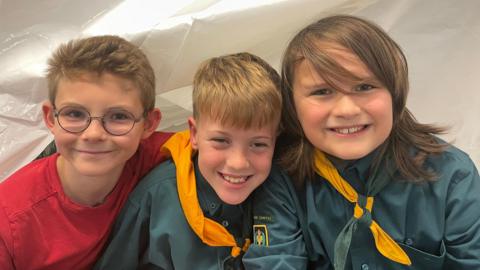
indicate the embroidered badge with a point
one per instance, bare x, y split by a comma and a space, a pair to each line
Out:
260, 236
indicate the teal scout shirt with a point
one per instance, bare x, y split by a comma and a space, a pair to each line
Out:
276, 215
436, 223
152, 232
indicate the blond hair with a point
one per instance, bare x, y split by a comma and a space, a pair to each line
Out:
98, 55
385, 59
240, 90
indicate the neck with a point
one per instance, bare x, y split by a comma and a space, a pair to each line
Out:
84, 189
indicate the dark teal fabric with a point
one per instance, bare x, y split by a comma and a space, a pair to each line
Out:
276, 207
375, 180
152, 232
436, 223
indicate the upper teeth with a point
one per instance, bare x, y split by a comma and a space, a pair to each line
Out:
348, 130
234, 180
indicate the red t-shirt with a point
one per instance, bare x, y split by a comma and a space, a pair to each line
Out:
41, 228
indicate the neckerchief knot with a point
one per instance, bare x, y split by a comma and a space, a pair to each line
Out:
363, 210
361, 214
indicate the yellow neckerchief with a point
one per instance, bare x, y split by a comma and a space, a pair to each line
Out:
209, 231
384, 243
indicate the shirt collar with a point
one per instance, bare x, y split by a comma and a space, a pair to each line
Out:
356, 172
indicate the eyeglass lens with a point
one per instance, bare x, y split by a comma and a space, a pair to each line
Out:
115, 121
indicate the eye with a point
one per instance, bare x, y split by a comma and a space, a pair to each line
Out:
219, 142
259, 145
119, 116
364, 87
73, 114
321, 92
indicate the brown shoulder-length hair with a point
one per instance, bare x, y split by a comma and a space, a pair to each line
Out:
385, 59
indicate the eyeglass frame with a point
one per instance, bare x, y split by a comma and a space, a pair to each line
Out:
99, 118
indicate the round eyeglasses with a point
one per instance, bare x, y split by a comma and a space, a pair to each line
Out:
116, 122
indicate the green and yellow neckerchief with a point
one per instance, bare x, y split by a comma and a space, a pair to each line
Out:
362, 212
209, 231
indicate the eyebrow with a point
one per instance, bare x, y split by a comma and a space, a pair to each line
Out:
69, 104
230, 134
315, 85
79, 106
369, 79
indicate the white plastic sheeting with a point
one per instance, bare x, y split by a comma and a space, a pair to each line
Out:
440, 38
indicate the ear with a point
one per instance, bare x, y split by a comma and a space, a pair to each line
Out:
48, 115
192, 125
152, 120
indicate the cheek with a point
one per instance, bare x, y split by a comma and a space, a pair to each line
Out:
63, 138
382, 108
128, 143
311, 114
263, 162
209, 158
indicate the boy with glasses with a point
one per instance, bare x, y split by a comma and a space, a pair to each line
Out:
56, 212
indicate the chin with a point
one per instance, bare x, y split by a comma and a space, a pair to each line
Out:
350, 156
232, 200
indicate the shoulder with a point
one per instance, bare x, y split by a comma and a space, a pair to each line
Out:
30, 184
159, 182
453, 163
155, 141
278, 186
278, 179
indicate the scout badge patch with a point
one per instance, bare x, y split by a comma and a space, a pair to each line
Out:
260, 235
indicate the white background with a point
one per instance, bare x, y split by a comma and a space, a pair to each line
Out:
441, 39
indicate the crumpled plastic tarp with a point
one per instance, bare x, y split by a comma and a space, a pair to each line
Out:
440, 38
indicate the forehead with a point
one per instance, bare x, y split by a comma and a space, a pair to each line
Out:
105, 78
215, 124
105, 81
332, 62
348, 60
92, 90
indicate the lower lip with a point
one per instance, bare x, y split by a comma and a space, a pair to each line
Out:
94, 153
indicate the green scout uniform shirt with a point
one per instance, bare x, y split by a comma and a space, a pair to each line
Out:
276, 214
436, 223
152, 232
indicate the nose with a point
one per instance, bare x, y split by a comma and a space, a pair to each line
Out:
95, 130
346, 106
238, 159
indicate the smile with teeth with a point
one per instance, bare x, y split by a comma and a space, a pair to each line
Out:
235, 180
349, 130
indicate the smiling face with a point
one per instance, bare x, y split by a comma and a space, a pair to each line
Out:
234, 161
349, 120
94, 152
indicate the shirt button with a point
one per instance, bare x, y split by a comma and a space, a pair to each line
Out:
225, 223
409, 241
364, 266
212, 205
